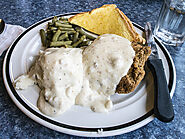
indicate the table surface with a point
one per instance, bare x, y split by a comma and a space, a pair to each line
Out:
15, 124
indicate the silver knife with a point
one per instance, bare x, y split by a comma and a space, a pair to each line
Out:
163, 108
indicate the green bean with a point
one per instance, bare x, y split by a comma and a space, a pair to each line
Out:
64, 22
69, 32
53, 28
85, 43
82, 32
63, 18
48, 30
61, 33
62, 37
43, 37
56, 35
54, 19
47, 43
75, 37
79, 41
68, 46
58, 24
66, 29
50, 24
60, 43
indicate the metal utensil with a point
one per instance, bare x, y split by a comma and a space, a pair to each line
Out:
2, 25
163, 108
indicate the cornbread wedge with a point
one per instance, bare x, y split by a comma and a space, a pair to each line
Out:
107, 19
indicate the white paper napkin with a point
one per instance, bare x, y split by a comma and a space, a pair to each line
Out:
10, 33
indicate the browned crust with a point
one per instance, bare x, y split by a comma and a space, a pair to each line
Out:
135, 35
71, 18
136, 73
107, 5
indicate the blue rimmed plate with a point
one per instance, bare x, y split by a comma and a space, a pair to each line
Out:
130, 112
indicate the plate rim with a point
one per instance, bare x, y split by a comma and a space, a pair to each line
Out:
107, 131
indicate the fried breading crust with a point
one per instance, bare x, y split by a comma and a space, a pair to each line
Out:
136, 73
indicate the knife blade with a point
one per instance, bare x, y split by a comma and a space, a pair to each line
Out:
163, 108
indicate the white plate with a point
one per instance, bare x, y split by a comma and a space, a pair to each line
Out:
130, 112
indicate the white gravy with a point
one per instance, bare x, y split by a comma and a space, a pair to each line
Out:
59, 73
105, 62
88, 77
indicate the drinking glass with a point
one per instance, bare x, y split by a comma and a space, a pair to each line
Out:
170, 27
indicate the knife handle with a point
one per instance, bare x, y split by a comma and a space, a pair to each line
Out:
163, 108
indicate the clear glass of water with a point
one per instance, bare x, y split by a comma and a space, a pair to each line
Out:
170, 27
